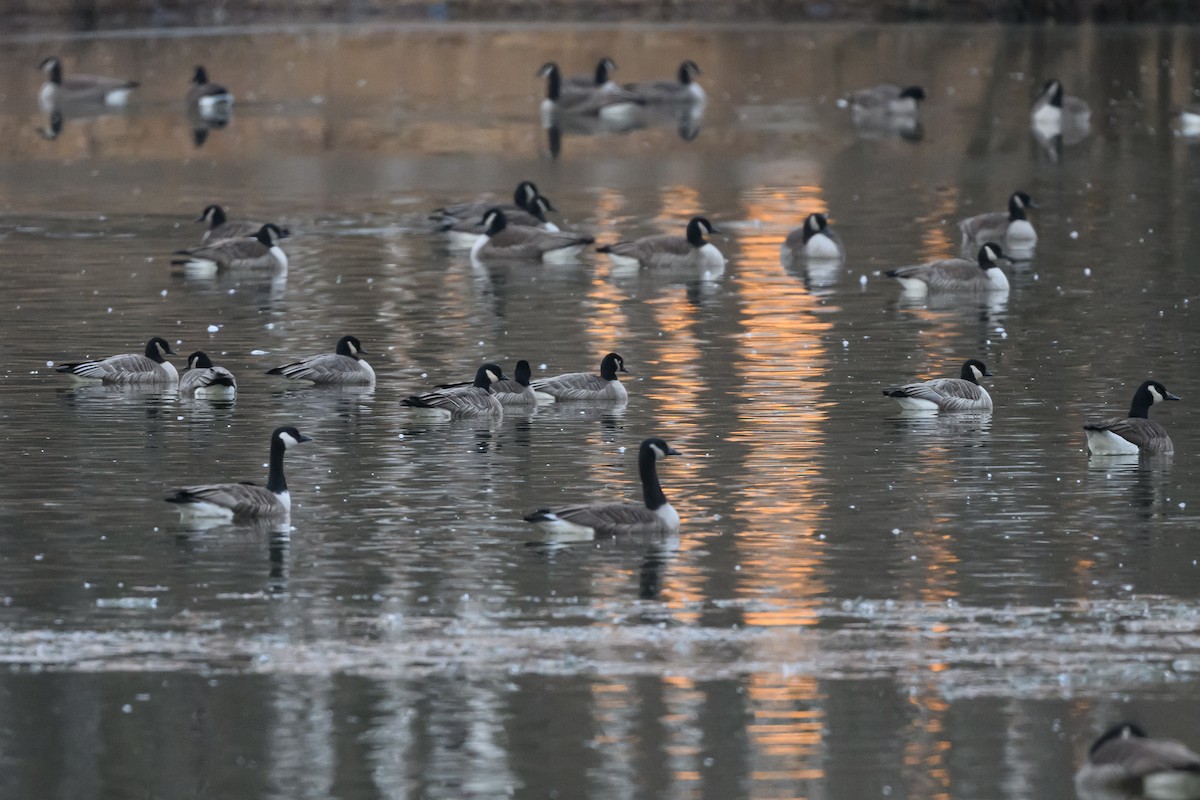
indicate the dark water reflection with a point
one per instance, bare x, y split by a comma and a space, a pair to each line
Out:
859, 603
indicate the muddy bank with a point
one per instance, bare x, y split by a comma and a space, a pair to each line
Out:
83, 15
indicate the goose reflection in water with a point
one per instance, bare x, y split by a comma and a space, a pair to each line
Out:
686, 119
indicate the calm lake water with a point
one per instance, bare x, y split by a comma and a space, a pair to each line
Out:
858, 604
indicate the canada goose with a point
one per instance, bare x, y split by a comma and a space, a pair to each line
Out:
955, 274
601, 78
343, 367
1010, 226
585, 385
1125, 763
653, 515
946, 394
1136, 433
815, 240
129, 369
503, 242
584, 101
683, 90
243, 252
887, 99
204, 380
523, 198
467, 232
210, 98
457, 402
1055, 112
221, 228
516, 391
668, 250
58, 91
244, 500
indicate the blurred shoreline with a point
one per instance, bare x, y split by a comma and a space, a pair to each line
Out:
22, 16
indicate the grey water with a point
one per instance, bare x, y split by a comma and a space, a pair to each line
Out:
858, 603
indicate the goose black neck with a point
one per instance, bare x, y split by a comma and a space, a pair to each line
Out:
651, 488
1016, 209
695, 234
218, 216
482, 379
201, 76
344, 348
275, 480
602, 72
523, 373
1140, 408
1056, 96
553, 84
608, 369
968, 374
55, 76
685, 74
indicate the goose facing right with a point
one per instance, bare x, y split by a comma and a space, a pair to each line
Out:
454, 213
220, 227
887, 99
955, 274
343, 367
691, 250
1011, 227
205, 380
467, 232
963, 393
150, 368
459, 402
244, 252
1124, 762
653, 515
605, 387
59, 90
244, 500
1136, 433
596, 101
211, 99
601, 78
683, 90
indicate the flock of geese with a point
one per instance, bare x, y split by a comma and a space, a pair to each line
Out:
521, 231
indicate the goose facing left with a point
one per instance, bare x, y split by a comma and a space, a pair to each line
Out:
245, 252
503, 242
610, 102
60, 89
691, 250
343, 367
1136, 433
150, 368
1124, 762
653, 515
205, 380
245, 500
956, 274
963, 393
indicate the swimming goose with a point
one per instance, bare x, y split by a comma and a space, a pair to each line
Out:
955, 274
343, 367
1125, 763
613, 103
683, 90
59, 90
221, 228
585, 385
503, 242
1011, 227
1136, 433
523, 198
516, 391
1055, 112
244, 500
815, 240
243, 252
600, 79
653, 515
457, 402
946, 394
467, 232
129, 369
887, 99
668, 250
210, 98
204, 380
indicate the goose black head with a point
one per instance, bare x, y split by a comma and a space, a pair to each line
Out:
214, 215
488, 374
269, 234
288, 436
697, 228
523, 373
349, 346
1126, 730
915, 92
989, 255
200, 76
494, 221
604, 68
1052, 90
688, 70
973, 370
611, 365
1158, 392
540, 206
53, 69
1148, 394
525, 194
199, 360
157, 348
814, 224
1017, 203
658, 447
553, 77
